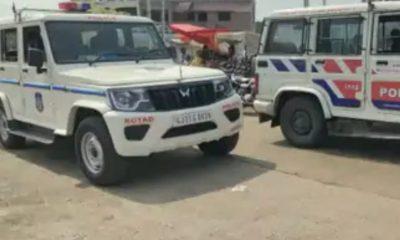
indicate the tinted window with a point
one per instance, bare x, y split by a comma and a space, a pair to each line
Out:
203, 17
224, 16
191, 16
389, 34
286, 37
9, 45
340, 36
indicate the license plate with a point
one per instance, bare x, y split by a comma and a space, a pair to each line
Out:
191, 118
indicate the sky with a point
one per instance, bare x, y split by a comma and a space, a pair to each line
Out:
264, 7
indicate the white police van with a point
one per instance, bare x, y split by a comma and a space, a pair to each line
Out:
108, 81
331, 70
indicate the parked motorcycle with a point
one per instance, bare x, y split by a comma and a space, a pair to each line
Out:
243, 79
246, 88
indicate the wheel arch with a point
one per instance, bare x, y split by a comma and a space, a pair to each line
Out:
6, 106
285, 94
83, 109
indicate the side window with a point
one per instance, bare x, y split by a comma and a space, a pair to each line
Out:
340, 36
9, 44
389, 34
286, 37
32, 40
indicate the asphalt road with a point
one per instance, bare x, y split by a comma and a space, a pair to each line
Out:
267, 190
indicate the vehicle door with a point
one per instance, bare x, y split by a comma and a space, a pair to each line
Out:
384, 77
36, 81
337, 56
10, 70
282, 58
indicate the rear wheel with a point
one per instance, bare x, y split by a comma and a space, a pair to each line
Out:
96, 154
221, 147
303, 122
7, 139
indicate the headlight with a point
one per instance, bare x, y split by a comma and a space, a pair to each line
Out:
223, 89
131, 100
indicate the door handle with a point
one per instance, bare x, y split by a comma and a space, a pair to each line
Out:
25, 70
2, 69
262, 64
320, 62
382, 63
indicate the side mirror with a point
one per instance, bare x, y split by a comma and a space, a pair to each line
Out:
36, 58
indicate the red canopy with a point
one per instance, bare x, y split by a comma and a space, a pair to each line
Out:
199, 34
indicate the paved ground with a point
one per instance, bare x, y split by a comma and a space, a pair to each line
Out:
268, 190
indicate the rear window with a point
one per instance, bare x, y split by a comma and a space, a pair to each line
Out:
286, 37
9, 46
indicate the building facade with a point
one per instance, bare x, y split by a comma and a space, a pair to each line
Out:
236, 15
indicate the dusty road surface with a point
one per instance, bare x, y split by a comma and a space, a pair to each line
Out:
349, 189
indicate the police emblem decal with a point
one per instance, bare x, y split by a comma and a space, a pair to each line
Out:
39, 102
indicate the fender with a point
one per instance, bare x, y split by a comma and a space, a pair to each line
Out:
6, 105
98, 106
307, 90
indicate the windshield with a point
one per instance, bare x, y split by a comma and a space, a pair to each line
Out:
79, 42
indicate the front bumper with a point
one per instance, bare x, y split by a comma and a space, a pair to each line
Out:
160, 123
264, 107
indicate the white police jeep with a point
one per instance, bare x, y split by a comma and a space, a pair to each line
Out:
109, 82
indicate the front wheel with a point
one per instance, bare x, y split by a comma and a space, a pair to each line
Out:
221, 147
96, 154
7, 139
303, 122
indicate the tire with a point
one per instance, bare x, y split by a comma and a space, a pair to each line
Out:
96, 154
8, 140
303, 122
221, 147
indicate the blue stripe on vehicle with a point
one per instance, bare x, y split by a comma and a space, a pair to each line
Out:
279, 65
76, 90
336, 101
314, 69
37, 85
299, 64
387, 105
9, 81
86, 91
59, 88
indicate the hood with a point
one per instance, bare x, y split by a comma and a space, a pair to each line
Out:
132, 74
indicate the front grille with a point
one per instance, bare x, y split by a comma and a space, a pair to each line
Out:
189, 130
182, 96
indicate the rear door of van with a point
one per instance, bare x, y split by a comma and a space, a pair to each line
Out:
10, 68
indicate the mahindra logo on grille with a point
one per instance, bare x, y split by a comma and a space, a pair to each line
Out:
185, 92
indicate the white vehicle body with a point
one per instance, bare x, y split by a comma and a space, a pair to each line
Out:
57, 98
347, 59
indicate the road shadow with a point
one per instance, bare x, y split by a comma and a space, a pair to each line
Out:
161, 178
249, 112
377, 150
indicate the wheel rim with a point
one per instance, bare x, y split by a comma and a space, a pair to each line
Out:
3, 127
92, 153
301, 123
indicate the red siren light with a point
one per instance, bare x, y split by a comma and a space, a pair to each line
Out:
74, 7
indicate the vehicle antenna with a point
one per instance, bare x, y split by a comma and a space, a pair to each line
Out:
370, 5
14, 10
